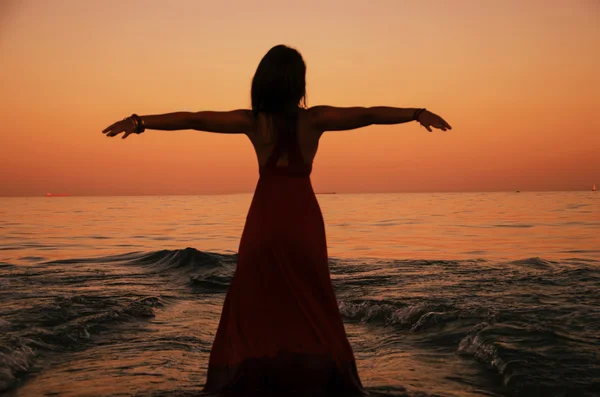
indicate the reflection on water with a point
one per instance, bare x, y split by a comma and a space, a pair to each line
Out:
501, 226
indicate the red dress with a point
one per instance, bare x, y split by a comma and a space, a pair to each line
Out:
281, 330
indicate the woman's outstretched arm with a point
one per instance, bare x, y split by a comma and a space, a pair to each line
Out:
329, 118
229, 122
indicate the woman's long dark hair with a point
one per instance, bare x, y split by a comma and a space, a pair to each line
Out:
279, 89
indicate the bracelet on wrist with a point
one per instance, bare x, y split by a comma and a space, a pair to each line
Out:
135, 123
418, 113
139, 123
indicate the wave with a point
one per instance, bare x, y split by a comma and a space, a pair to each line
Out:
63, 324
533, 358
197, 268
535, 262
415, 318
164, 259
533, 361
533, 321
16, 358
50, 307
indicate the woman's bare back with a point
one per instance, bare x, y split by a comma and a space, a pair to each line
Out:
264, 138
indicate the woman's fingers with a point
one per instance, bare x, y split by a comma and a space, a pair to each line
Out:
445, 123
115, 129
110, 127
440, 126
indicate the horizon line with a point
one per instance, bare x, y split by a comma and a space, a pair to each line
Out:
63, 195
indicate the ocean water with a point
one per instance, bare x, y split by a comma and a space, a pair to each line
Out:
449, 294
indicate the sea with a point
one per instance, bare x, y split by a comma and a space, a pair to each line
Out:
442, 294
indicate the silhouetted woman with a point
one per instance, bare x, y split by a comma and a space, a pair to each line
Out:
281, 329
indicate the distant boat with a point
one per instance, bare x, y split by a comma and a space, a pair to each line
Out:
327, 193
594, 188
56, 195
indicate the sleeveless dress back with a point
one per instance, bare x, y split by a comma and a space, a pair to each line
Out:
281, 331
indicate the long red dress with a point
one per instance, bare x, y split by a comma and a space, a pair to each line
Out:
281, 330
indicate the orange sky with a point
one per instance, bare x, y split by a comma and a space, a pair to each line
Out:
517, 80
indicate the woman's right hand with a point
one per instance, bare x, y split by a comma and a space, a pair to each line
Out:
127, 125
428, 120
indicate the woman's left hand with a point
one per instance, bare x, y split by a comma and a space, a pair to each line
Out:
127, 125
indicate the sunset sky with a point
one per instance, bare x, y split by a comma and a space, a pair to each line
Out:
517, 80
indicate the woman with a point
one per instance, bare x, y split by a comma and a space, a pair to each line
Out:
281, 329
